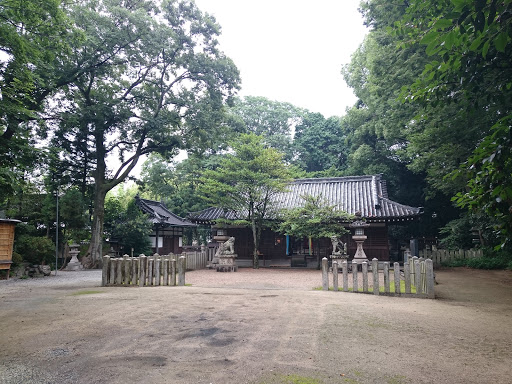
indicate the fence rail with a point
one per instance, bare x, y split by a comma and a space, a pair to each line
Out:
143, 270
442, 256
418, 278
197, 259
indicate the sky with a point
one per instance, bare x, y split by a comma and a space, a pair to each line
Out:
291, 50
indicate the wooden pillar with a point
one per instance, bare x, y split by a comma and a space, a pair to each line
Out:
104, 271
375, 271
325, 275
335, 275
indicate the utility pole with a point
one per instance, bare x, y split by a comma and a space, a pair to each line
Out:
57, 234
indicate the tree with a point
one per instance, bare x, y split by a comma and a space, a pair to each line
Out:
160, 83
315, 219
176, 183
470, 53
127, 224
246, 183
33, 46
415, 145
319, 143
273, 120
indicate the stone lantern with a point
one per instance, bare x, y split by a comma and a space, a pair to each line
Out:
359, 237
74, 264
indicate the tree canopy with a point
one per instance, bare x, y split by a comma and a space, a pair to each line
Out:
245, 182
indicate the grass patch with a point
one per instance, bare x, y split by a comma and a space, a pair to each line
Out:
296, 379
80, 293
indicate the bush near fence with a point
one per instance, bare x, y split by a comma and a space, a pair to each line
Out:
418, 274
443, 256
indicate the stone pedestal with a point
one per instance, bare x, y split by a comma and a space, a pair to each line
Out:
74, 264
227, 263
221, 237
339, 258
360, 256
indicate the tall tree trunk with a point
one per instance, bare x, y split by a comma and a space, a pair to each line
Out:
255, 260
95, 248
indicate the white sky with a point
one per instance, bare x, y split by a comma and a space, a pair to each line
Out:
291, 50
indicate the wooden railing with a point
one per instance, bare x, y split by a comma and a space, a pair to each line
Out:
442, 256
417, 280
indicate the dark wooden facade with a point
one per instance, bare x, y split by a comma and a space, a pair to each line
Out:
167, 236
273, 245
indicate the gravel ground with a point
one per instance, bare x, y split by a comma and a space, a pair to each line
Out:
254, 326
245, 278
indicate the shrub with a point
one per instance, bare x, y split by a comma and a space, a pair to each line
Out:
490, 260
17, 259
35, 249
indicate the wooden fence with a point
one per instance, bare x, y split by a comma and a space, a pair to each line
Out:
143, 271
441, 256
417, 274
196, 259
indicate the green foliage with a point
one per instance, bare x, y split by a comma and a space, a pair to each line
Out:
450, 62
35, 249
246, 179
491, 259
125, 223
319, 143
470, 52
17, 259
483, 262
490, 179
73, 215
273, 120
152, 80
34, 37
315, 219
246, 182
175, 183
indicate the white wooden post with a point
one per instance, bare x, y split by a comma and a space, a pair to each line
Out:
325, 276
112, 268
396, 270
142, 270
344, 266
364, 268
104, 270
407, 272
135, 272
430, 279
127, 264
354, 276
181, 270
375, 271
417, 277
335, 275
166, 270
173, 272
157, 270
386, 277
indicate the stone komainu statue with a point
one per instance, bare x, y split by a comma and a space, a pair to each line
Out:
226, 248
338, 247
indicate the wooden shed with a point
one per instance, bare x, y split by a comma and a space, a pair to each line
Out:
7, 227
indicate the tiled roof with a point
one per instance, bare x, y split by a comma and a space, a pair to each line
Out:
159, 214
365, 194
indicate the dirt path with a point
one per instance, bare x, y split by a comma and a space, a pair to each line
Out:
254, 327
